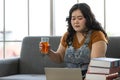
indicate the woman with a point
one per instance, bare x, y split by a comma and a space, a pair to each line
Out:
84, 39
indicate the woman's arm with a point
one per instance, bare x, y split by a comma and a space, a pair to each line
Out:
58, 55
98, 49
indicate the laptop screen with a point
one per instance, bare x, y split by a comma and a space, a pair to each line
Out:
63, 74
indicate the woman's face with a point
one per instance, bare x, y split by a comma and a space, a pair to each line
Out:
78, 21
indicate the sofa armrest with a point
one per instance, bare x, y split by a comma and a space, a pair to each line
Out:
9, 66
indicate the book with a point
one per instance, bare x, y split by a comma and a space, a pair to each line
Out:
118, 78
104, 70
91, 76
105, 62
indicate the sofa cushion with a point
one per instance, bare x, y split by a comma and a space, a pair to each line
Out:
113, 49
24, 77
31, 60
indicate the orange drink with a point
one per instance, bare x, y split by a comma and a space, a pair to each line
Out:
45, 45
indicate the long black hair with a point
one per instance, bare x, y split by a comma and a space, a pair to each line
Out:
91, 22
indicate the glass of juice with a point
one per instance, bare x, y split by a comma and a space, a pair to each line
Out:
45, 45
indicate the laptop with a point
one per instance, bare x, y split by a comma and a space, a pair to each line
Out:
63, 74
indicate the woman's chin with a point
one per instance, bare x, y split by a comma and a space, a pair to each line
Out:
78, 30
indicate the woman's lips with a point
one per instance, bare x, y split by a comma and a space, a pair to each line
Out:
77, 26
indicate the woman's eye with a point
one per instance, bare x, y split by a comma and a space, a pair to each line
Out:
77, 18
80, 18
73, 18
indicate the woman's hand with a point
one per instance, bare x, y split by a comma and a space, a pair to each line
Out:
40, 46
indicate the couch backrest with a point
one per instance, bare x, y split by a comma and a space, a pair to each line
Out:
113, 47
31, 60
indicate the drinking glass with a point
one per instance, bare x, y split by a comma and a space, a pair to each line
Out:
45, 45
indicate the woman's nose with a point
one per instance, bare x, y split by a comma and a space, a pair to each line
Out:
76, 21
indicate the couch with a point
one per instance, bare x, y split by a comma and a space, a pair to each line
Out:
31, 63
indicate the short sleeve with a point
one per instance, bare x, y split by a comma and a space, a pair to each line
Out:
98, 36
63, 40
